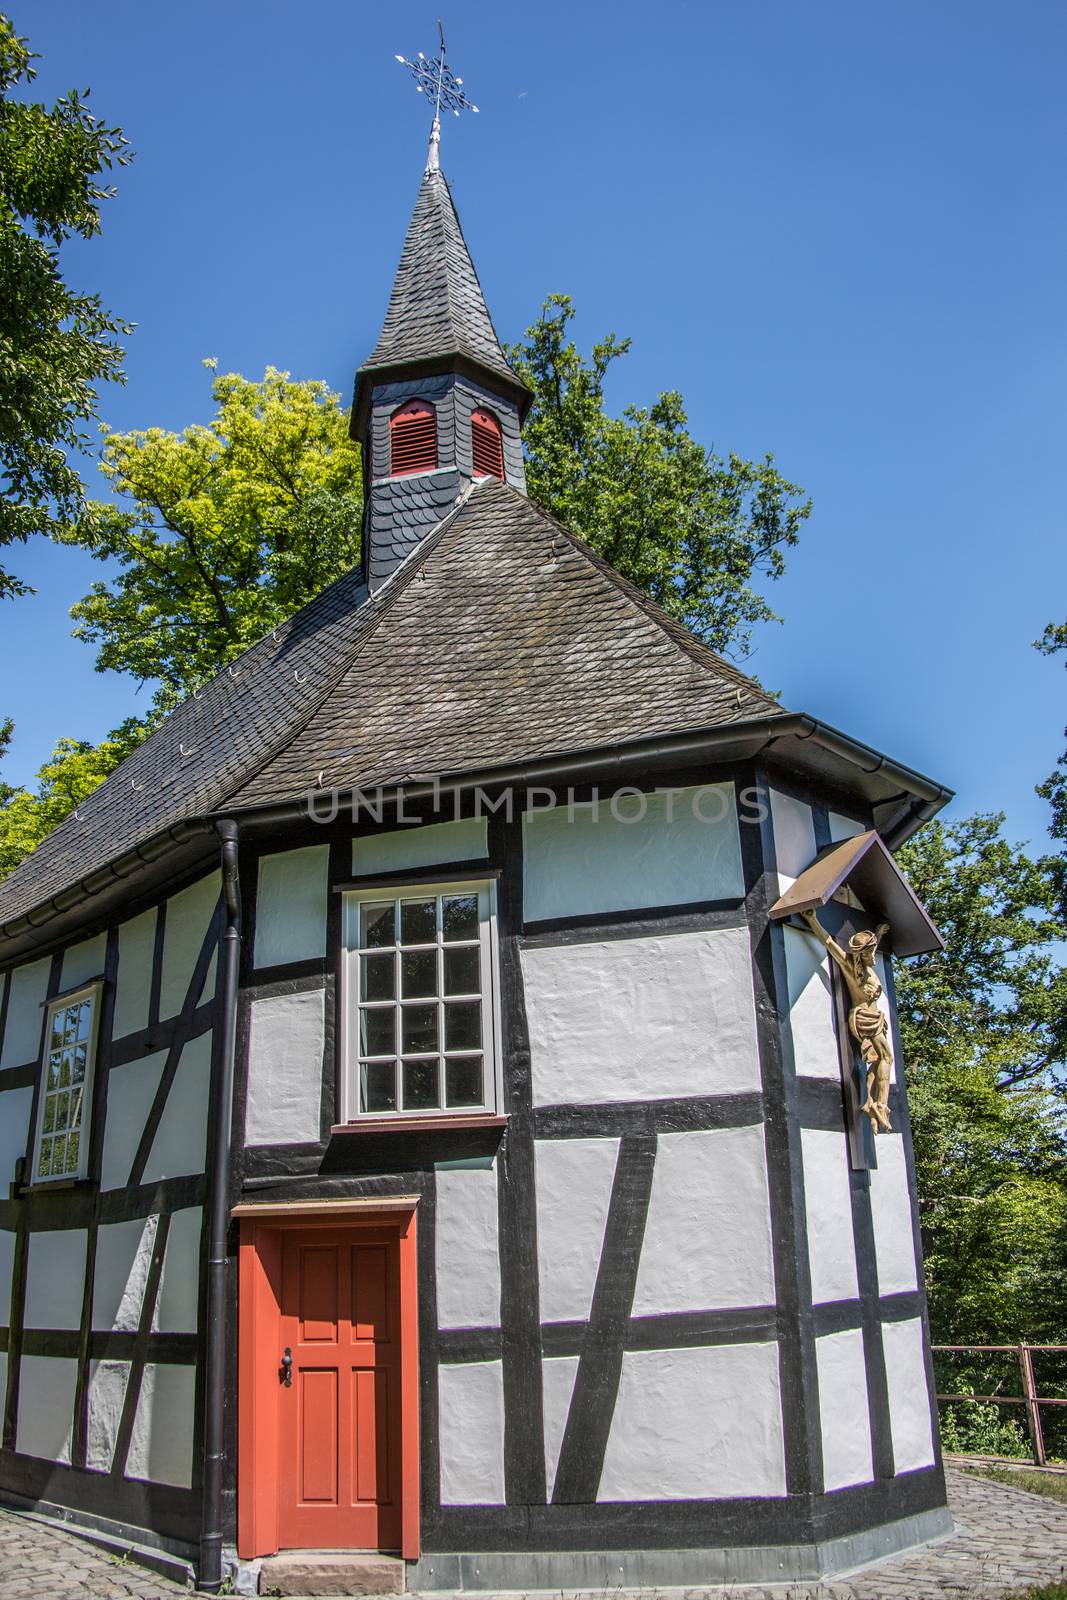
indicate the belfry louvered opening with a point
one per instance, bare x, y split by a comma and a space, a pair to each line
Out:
413, 430
486, 445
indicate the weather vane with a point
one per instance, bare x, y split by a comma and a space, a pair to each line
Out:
438, 82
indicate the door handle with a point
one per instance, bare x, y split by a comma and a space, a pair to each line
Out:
287, 1368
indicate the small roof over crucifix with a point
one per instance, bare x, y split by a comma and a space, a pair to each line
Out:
865, 864
435, 79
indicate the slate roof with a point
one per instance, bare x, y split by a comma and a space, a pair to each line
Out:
502, 638
437, 307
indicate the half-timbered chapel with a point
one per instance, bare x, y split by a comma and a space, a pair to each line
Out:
430, 1125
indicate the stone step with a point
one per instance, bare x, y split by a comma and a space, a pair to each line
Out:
331, 1572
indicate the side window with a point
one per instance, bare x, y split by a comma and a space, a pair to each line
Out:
413, 436
487, 445
62, 1141
420, 1004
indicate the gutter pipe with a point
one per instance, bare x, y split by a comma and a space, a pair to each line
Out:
210, 1573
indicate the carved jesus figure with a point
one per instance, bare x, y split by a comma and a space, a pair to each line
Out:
866, 1020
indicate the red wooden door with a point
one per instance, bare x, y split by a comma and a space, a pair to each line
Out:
339, 1420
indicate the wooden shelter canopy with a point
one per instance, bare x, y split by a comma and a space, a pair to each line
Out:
864, 865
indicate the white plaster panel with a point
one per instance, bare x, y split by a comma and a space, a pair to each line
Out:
22, 1031
188, 916
909, 1396
107, 1391
123, 1256
471, 1405
55, 1279
794, 837
696, 1424
633, 1019
845, 1419
15, 1108
844, 827
83, 961
46, 1407
668, 848
130, 1090
7, 1263
137, 942
178, 1301
828, 1203
180, 1143
431, 845
288, 1033
811, 1007
574, 1180
468, 1249
291, 905
707, 1243
894, 1243
557, 1386
161, 1442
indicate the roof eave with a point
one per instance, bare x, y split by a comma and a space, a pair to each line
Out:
368, 378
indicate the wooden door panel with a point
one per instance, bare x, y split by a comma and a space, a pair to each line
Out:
317, 1403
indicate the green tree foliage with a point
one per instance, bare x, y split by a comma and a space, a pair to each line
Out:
71, 773
983, 1027
692, 530
220, 532
1054, 788
55, 345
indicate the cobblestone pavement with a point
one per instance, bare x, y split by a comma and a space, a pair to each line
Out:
1006, 1541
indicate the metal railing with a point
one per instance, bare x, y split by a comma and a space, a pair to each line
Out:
1029, 1399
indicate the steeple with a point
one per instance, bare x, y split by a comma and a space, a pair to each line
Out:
436, 404
437, 318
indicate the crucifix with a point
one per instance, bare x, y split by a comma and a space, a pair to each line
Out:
435, 79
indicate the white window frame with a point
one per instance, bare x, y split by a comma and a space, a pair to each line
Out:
416, 889
90, 992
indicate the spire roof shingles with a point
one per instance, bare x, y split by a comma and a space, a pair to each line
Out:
437, 308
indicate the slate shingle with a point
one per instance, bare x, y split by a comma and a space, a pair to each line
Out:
502, 638
437, 307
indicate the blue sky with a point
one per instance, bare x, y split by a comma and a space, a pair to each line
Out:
839, 230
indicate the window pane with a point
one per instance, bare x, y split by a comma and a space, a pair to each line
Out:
463, 1080
377, 1086
74, 1116
377, 1032
85, 1011
45, 1165
49, 1113
376, 924
418, 973
56, 1041
62, 1103
460, 916
59, 1155
462, 970
64, 1068
418, 921
53, 1072
378, 977
463, 1026
70, 1027
418, 1028
81, 1056
73, 1142
420, 1085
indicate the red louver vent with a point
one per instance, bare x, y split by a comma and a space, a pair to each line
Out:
487, 447
414, 435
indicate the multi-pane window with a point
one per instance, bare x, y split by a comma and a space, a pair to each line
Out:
420, 1007
67, 1076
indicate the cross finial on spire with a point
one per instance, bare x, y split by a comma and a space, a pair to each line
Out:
435, 79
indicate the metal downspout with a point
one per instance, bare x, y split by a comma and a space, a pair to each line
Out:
210, 1576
